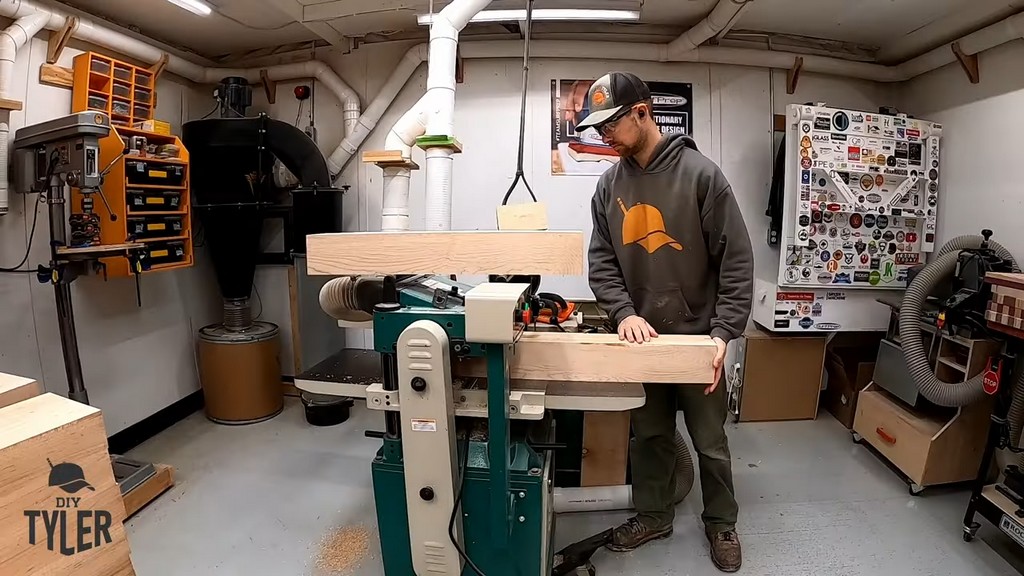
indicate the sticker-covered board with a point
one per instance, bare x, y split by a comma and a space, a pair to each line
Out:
861, 193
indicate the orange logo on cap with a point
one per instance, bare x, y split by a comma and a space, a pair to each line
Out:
644, 224
599, 98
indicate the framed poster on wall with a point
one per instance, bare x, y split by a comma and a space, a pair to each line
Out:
585, 153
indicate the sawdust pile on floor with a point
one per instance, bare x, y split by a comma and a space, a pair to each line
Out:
343, 549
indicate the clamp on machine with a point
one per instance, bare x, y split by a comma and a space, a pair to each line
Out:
463, 480
66, 152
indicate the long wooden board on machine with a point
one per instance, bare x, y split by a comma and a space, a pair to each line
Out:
670, 359
460, 252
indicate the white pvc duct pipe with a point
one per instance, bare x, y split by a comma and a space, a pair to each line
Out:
715, 22
98, 34
358, 129
412, 124
439, 101
11, 40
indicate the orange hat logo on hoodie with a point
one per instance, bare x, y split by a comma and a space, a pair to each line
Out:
643, 224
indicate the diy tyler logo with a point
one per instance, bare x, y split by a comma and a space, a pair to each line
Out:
69, 529
644, 224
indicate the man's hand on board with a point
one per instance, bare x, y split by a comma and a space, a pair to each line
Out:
717, 364
636, 329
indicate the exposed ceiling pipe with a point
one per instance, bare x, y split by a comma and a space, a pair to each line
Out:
96, 33
11, 40
721, 15
411, 125
439, 102
90, 31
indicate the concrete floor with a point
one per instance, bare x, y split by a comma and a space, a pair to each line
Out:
257, 500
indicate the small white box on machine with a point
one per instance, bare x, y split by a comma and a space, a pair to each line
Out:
489, 312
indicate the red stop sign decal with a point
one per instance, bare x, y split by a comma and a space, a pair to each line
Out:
991, 382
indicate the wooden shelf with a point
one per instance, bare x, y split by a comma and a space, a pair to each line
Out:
156, 160
153, 137
154, 186
95, 75
168, 266
157, 213
164, 239
954, 364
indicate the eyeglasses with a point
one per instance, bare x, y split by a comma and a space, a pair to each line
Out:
609, 126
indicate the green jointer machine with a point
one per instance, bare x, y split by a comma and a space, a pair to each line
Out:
463, 482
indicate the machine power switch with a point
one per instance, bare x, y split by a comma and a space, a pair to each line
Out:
427, 493
418, 384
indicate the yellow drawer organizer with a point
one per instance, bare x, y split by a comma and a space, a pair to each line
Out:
148, 195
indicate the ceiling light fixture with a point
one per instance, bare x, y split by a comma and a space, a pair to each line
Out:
194, 6
546, 14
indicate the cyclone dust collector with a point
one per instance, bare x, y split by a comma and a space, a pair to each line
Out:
234, 193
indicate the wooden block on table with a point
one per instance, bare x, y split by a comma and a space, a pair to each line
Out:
605, 448
462, 252
61, 511
669, 359
529, 216
14, 389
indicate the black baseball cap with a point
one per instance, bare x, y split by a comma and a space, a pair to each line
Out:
610, 94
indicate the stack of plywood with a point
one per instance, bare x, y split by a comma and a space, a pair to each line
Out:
1006, 307
61, 511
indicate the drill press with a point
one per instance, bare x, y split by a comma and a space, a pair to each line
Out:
65, 152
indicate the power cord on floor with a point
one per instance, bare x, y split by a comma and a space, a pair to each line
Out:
455, 509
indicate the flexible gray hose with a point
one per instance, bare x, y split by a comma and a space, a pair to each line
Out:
939, 392
684, 469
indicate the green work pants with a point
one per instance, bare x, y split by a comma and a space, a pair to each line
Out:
653, 459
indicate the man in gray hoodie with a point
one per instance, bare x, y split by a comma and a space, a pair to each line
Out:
669, 254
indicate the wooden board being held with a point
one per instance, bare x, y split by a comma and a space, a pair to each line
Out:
461, 252
668, 359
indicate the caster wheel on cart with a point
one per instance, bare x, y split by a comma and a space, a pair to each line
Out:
916, 489
970, 532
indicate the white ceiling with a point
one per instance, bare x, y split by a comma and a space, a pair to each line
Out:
239, 26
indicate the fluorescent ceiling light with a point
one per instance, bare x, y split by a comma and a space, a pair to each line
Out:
194, 6
545, 14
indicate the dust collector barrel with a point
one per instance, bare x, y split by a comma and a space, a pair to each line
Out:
240, 372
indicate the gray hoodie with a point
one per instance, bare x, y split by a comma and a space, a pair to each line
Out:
669, 244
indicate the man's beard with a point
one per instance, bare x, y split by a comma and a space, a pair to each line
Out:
630, 151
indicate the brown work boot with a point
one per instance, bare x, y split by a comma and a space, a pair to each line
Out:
725, 550
634, 533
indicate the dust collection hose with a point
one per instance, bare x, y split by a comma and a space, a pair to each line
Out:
684, 469
935, 390
606, 498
